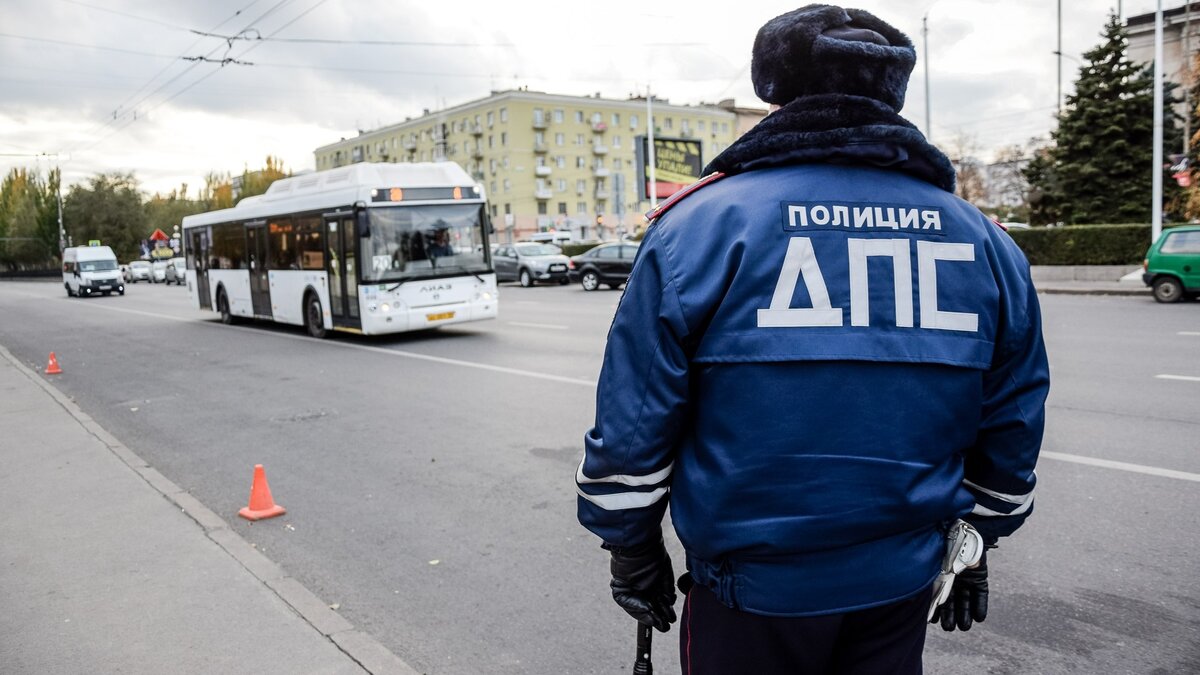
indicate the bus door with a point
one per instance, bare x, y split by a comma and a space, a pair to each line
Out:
198, 254
343, 268
260, 283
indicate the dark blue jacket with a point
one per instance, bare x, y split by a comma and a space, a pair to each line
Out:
818, 367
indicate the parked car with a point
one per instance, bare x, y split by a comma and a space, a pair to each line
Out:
137, 270
605, 264
176, 271
158, 271
530, 262
557, 238
1172, 265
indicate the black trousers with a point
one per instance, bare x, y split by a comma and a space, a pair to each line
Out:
717, 640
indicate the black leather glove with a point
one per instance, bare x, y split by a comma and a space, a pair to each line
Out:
643, 583
968, 601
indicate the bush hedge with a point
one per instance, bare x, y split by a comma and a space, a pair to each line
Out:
1084, 244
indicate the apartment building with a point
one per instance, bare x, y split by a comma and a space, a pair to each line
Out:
548, 161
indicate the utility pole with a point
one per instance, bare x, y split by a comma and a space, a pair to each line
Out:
925, 57
650, 149
1156, 175
1058, 100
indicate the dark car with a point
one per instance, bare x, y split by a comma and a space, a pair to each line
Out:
605, 264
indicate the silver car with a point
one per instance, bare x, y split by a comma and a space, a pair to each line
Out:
176, 271
530, 262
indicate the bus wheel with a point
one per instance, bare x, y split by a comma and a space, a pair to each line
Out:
314, 318
223, 308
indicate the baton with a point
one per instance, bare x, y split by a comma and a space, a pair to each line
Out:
642, 664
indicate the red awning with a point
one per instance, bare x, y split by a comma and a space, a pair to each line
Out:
159, 235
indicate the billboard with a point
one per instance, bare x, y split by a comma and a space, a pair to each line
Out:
677, 164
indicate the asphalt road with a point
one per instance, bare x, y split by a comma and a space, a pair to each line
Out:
428, 477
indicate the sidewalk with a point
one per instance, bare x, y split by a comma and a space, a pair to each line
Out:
1090, 280
106, 566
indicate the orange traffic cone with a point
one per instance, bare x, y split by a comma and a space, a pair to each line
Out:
52, 367
261, 505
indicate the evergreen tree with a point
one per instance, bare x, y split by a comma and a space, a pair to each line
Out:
1098, 170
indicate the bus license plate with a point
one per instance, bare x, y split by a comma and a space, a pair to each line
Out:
440, 317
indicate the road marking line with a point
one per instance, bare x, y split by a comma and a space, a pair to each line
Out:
550, 326
1190, 333
1123, 466
367, 348
1182, 378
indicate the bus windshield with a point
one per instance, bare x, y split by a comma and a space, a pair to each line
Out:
421, 241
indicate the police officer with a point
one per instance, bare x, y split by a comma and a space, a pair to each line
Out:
822, 360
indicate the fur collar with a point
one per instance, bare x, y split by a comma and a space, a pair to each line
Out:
837, 129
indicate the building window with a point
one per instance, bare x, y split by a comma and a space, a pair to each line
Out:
667, 123
560, 162
562, 186
579, 139
700, 126
504, 114
724, 127
684, 126
492, 187
504, 139
558, 115
539, 138
541, 208
581, 186
562, 208
580, 163
616, 119
491, 118
597, 118
581, 207
508, 209
616, 163
493, 211
616, 141
507, 185
559, 139
633, 122
579, 116
538, 116
504, 161
540, 161
491, 141
492, 168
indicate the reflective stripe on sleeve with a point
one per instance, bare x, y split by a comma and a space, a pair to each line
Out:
980, 510
626, 479
1011, 499
624, 500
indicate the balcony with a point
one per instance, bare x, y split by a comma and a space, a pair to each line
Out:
599, 127
602, 194
542, 194
541, 148
540, 123
477, 129
685, 133
601, 172
599, 149
477, 152
409, 144
542, 171
477, 175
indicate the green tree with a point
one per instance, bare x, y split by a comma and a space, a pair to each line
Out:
1098, 168
166, 212
257, 181
28, 220
218, 191
108, 208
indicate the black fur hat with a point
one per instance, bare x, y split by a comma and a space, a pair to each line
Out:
824, 49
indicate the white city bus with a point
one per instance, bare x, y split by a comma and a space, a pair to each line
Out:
366, 248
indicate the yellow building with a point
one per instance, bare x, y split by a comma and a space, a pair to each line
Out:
548, 161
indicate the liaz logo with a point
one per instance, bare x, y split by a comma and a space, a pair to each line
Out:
434, 288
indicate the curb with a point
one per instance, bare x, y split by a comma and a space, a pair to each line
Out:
360, 647
1094, 291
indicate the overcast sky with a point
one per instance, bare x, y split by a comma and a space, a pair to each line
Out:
105, 85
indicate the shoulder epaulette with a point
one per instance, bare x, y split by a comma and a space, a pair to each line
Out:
678, 196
